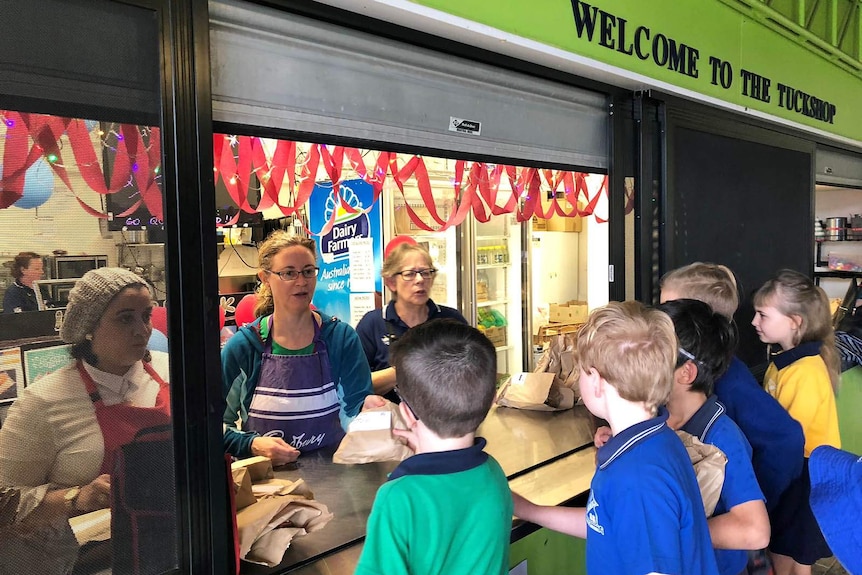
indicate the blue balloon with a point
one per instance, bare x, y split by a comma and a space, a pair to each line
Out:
38, 185
158, 341
90, 124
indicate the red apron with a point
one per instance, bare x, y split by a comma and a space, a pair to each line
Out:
121, 422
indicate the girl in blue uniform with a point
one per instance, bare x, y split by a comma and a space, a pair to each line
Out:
793, 312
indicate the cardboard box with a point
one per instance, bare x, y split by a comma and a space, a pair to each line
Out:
406, 226
551, 329
539, 224
570, 312
497, 335
562, 224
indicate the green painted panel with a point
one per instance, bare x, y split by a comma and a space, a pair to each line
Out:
708, 38
550, 553
849, 402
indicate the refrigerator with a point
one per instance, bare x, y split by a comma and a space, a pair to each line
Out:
479, 264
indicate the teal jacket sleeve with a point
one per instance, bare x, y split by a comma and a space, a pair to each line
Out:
349, 370
240, 367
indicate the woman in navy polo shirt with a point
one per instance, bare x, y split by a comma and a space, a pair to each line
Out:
409, 273
20, 296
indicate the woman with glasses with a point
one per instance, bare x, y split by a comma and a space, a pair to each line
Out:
293, 378
409, 273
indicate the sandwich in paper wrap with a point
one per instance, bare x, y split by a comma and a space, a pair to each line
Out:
369, 437
535, 391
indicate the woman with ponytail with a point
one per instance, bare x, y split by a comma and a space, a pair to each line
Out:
792, 312
295, 377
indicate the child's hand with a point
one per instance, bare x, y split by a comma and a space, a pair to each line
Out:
409, 437
603, 435
373, 401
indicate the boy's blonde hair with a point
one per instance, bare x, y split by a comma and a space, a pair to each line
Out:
634, 348
795, 294
273, 244
710, 283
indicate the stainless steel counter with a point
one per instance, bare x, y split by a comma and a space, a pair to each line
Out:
524, 442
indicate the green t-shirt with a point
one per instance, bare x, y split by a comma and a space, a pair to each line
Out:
276, 348
440, 524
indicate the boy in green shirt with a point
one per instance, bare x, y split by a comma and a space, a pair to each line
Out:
447, 509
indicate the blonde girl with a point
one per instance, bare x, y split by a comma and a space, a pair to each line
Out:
793, 313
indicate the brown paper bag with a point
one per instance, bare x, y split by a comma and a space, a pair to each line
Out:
242, 487
535, 391
709, 463
259, 467
369, 437
561, 359
267, 527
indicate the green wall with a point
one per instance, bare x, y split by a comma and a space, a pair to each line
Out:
700, 30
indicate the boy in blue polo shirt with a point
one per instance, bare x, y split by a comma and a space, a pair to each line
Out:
447, 509
706, 344
644, 514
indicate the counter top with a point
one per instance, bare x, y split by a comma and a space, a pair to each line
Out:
547, 456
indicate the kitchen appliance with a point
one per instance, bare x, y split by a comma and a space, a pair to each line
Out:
836, 229
67, 266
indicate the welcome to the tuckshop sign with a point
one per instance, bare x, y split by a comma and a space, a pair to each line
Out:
715, 48
614, 32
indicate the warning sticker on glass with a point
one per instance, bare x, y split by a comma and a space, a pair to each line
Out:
465, 126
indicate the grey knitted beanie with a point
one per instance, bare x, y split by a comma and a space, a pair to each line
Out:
89, 299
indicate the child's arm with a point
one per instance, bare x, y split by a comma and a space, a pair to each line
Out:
745, 526
568, 520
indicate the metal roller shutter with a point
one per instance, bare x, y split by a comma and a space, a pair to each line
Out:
279, 70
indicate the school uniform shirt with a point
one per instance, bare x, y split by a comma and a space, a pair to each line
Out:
800, 382
712, 426
644, 512
776, 439
379, 328
442, 513
19, 298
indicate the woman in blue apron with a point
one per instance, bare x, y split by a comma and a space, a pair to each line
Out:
294, 377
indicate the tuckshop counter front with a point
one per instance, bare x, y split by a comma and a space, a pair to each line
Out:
548, 457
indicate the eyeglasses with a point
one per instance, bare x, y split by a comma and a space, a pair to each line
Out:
410, 275
291, 275
401, 399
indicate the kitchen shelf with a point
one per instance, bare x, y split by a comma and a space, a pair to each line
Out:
503, 348
495, 238
492, 302
489, 266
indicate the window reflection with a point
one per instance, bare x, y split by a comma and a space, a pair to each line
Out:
86, 461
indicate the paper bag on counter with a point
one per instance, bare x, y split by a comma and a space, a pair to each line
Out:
267, 527
369, 437
535, 391
10, 497
560, 359
259, 467
242, 487
709, 463
276, 487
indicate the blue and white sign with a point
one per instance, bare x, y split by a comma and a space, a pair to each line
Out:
333, 295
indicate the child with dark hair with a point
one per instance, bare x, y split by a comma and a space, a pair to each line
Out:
706, 344
446, 509
776, 438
